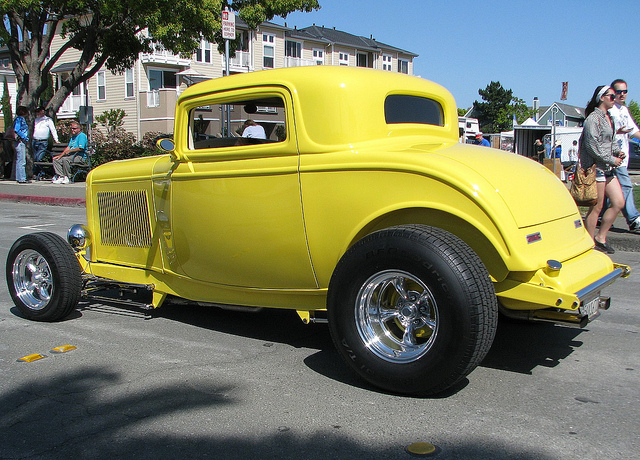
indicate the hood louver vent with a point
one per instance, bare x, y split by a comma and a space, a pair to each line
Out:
124, 219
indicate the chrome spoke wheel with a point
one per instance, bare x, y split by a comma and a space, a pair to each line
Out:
396, 316
32, 279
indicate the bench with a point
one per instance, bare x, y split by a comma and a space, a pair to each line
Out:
76, 169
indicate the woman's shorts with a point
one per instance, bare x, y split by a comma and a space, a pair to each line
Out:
603, 176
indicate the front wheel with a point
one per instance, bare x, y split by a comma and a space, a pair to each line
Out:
412, 309
43, 276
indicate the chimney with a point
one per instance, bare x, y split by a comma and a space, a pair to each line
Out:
536, 107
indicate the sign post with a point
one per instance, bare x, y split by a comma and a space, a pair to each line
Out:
228, 33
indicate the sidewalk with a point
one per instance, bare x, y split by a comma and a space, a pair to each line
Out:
44, 192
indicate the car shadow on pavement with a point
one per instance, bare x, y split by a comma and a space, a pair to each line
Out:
268, 325
519, 346
522, 346
93, 413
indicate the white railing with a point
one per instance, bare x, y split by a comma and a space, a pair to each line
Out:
163, 57
298, 62
153, 98
71, 104
241, 59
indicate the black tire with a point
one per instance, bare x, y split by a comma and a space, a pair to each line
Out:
412, 309
43, 276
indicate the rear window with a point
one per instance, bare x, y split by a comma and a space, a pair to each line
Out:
399, 108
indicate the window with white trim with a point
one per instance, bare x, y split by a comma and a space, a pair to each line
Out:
203, 53
362, 60
403, 66
128, 84
102, 85
318, 56
343, 59
160, 79
269, 51
293, 49
386, 62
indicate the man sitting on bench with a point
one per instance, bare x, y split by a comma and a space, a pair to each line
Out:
74, 153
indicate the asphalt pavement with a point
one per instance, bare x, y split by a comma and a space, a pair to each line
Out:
44, 192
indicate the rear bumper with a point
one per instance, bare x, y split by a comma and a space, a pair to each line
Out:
569, 295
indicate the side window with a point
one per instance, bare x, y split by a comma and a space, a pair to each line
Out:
102, 85
128, 83
268, 47
400, 108
248, 121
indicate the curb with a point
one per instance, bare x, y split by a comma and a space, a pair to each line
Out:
48, 200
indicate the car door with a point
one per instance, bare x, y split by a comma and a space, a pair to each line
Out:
235, 201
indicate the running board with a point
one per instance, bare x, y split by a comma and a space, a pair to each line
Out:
94, 287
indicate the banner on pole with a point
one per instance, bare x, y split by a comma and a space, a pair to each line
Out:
565, 89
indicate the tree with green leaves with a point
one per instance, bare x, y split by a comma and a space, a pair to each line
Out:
634, 110
112, 119
111, 33
497, 112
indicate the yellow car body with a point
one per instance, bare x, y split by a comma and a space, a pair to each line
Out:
265, 225
348, 199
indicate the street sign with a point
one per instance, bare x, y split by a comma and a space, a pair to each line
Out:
228, 25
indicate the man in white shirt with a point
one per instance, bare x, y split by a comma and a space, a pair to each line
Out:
254, 130
43, 127
625, 127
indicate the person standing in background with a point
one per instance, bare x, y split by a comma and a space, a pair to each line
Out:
598, 146
43, 127
539, 150
21, 130
625, 128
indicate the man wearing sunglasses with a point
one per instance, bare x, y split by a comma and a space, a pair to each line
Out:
625, 127
74, 153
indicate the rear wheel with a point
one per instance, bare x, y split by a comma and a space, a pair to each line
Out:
412, 309
43, 276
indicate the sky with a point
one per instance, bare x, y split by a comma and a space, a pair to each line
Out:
529, 46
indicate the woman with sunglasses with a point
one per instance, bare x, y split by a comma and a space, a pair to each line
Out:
598, 146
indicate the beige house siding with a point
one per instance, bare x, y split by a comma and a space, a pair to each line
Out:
115, 99
278, 60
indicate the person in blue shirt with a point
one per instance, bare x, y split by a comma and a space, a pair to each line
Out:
558, 149
21, 130
480, 140
74, 153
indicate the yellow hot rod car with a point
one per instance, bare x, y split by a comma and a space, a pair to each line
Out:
353, 203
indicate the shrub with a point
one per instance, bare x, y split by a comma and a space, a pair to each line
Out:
121, 145
149, 140
112, 119
115, 144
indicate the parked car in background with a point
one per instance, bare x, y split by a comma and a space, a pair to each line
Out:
634, 154
357, 207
